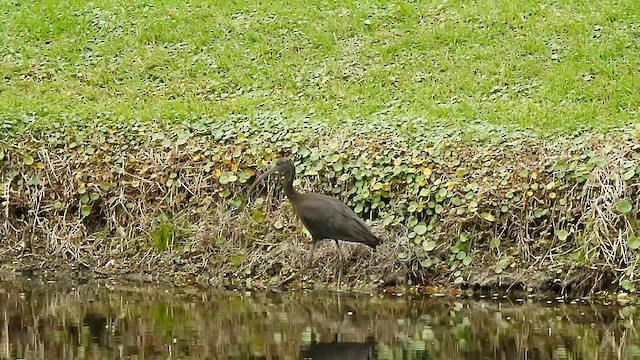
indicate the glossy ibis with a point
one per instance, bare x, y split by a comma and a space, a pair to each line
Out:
325, 217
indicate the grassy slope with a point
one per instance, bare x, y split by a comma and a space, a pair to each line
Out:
558, 64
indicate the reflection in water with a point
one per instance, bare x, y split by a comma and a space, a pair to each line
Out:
341, 351
57, 321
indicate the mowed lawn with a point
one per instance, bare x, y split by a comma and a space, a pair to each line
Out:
551, 64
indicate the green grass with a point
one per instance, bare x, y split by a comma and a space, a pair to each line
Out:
556, 64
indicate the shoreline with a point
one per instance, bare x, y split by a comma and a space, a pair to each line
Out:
480, 206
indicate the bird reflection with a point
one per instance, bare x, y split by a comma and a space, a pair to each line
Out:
340, 351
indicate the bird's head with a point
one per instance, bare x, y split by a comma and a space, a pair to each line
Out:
284, 168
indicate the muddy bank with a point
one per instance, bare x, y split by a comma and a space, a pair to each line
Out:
175, 270
479, 206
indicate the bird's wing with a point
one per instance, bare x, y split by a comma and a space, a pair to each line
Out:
328, 218
316, 219
355, 228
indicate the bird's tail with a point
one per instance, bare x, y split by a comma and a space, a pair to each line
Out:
361, 233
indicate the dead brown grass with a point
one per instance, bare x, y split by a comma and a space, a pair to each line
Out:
210, 239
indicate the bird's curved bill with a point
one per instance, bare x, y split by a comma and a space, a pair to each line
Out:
261, 178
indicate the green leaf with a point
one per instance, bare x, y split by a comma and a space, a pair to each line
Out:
85, 210
488, 217
458, 280
227, 177
413, 207
28, 159
624, 206
278, 225
161, 236
237, 260
598, 160
467, 261
461, 255
34, 181
183, 138
628, 174
257, 215
494, 243
626, 284
464, 237
429, 245
420, 229
503, 263
633, 243
562, 234
426, 263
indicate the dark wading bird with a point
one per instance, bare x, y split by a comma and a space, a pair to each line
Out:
325, 217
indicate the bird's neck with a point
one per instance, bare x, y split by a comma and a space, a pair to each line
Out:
289, 190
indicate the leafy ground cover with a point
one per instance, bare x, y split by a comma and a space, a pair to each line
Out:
489, 145
473, 206
556, 65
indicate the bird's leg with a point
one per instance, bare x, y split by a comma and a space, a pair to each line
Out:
309, 263
341, 263
314, 244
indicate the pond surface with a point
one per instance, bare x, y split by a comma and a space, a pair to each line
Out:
97, 321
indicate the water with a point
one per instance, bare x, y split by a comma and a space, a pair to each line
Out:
91, 321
